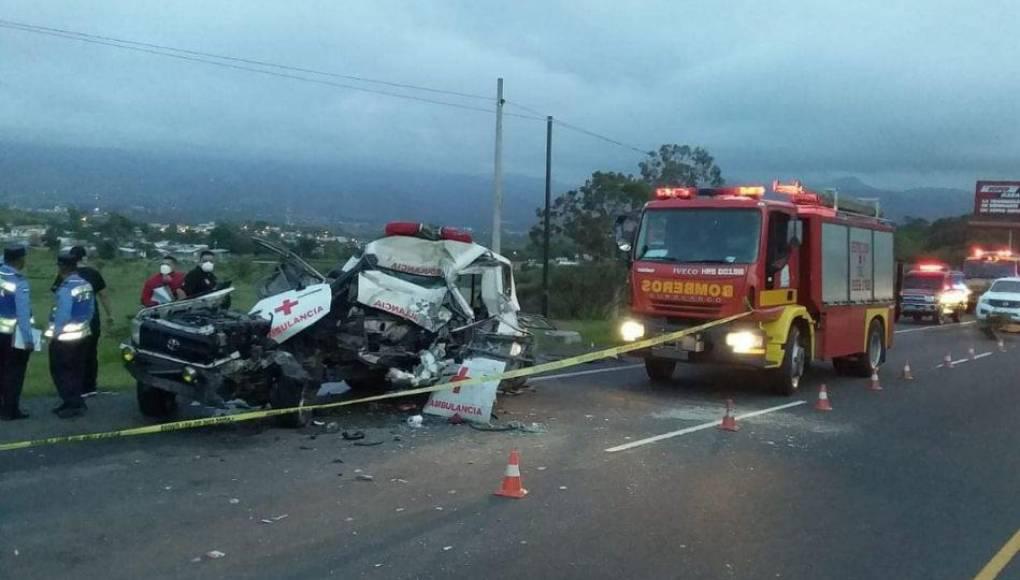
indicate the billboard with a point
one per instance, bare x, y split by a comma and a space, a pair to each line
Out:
997, 204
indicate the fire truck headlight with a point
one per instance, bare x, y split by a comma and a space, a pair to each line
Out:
631, 330
745, 341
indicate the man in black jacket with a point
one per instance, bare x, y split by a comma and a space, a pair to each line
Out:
201, 280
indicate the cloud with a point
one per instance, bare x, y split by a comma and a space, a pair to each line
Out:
904, 92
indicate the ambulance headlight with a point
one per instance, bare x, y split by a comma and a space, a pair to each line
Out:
745, 341
127, 353
631, 330
516, 349
190, 375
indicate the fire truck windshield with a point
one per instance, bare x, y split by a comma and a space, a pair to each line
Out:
700, 235
989, 268
934, 282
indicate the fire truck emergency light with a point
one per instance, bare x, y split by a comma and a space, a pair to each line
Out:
676, 192
932, 267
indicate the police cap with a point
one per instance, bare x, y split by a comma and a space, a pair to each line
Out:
14, 253
67, 259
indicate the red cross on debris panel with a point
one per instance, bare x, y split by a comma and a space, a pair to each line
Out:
462, 375
286, 306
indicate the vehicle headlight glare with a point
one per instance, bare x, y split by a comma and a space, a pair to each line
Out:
631, 330
744, 341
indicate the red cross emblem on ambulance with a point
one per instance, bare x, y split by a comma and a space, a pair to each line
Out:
286, 306
462, 375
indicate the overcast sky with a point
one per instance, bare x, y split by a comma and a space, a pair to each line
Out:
897, 93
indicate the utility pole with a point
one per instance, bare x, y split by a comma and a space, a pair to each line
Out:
546, 216
497, 202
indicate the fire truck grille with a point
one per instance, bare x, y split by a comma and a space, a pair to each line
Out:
695, 308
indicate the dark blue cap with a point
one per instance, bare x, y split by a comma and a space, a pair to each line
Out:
14, 253
67, 259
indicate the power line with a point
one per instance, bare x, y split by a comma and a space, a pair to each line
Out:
228, 65
581, 130
37, 28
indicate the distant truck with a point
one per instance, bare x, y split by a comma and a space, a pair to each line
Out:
932, 290
816, 275
985, 266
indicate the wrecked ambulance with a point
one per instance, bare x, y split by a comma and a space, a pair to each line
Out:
404, 313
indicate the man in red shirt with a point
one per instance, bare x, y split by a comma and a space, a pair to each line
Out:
164, 286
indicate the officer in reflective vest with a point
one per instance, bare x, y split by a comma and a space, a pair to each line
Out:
69, 326
16, 337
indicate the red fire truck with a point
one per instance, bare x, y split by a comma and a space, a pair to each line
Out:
815, 270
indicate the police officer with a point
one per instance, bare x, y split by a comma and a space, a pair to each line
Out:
68, 331
16, 337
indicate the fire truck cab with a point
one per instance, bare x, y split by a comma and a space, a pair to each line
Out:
817, 279
985, 266
931, 289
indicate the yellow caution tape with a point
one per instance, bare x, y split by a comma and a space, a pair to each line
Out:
252, 415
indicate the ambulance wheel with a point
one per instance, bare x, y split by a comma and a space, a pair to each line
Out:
659, 369
155, 403
869, 361
786, 379
287, 393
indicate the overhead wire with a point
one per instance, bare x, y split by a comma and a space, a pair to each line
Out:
257, 70
408, 86
231, 62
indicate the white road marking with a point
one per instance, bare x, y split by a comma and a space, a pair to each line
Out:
963, 360
701, 427
582, 373
925, 328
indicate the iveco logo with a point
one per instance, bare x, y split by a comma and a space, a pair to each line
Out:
173, 344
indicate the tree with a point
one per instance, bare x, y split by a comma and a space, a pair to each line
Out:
51, 239
107, 249
306, 246
584, 216
680, 165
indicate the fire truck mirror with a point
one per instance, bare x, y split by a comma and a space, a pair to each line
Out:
624, 231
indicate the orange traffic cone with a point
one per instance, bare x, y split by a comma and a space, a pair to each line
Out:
907, 375
947, 362
729, 422
512, 486
823, 400
875, 385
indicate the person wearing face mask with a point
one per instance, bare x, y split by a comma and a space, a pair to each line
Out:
201, 280
164, 286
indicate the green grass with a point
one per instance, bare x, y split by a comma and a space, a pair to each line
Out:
601, 332
124, 279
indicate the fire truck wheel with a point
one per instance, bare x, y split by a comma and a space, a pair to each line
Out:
788, 375
868, 362
659, 369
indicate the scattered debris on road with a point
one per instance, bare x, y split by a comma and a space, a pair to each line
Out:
332, 427
234, 501
214, 554
364, 477
367, 443
352, 435
414, 421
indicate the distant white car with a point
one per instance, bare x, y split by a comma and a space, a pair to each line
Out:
1001, 299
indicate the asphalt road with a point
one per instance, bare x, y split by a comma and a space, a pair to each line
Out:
916, 481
